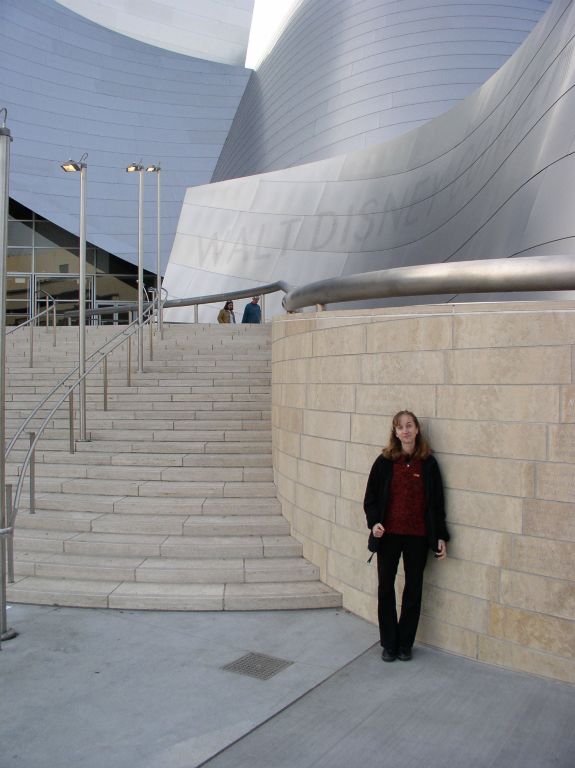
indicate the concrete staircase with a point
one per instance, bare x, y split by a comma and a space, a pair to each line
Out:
171, 503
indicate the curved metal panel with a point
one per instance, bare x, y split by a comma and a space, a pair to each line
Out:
491, 178
71, 87
216, 30
348, 74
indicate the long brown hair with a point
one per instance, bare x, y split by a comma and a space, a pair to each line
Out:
393, 449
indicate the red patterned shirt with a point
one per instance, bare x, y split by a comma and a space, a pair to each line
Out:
406, 508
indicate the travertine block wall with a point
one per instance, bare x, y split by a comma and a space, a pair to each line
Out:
494, 387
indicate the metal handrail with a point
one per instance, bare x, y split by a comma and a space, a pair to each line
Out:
62, 399
527, 273
30, 320
61, 383
258, 290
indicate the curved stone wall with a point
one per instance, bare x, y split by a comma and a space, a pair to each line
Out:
71, 86
491, 178
348, 74
494, 386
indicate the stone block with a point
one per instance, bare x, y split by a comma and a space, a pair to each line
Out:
331, 397
555, 482
353, 544
342, 340
328, 452
489, 438
402, 368
360, 458
285, 464
345, 570
353, 486
538, 593
498, 476
537, 631
335, 370
311, 527
562, 443
290, 419
468, 578
568, 404
350, 514
293, 347
315, 502
455, 608
547, 557
523, 365
388, 400
287, 442
370, 430
505, 329
480, 546
494, 402
319, 477
512, 656
447, 636
286, 488
549, 519
485, 510
410, 334
290, 395
327, 424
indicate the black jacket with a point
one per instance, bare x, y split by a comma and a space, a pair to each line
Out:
377, 496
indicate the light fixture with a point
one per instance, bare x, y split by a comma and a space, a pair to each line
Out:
135, 167
153, 168
72, 165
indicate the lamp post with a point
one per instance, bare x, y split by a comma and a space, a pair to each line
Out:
139, 168
5, 139
73, 166
157, 170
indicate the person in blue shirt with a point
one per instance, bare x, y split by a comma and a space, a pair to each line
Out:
252, 312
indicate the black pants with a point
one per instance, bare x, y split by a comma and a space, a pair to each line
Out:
396, 634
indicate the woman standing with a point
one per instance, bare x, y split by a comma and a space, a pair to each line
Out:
226, 314
405, 511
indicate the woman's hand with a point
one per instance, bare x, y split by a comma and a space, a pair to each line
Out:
378, 530
441, 553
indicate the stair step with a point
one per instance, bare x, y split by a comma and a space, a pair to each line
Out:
170, 503
174, 596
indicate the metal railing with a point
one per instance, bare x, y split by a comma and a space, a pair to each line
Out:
527, 273
34, 321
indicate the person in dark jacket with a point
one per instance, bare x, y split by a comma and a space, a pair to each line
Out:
405, 511
252, 311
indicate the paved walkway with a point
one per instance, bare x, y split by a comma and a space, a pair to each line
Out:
122, 689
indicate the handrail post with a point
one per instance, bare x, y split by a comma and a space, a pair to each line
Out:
32, 474
151, 324
47, 313
129, 367
54, 322
10, 540
31, 359
105, 372
71, 419
263, 308
196, 313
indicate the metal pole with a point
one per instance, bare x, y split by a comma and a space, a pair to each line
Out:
129, 361
141, 271
54, 323
159, 260
71, 419
5, 139
10, 540
105, 372
47, 312
82, 307
32, 475
263, 307
195, 313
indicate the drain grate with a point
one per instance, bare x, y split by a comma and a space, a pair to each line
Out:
257, 665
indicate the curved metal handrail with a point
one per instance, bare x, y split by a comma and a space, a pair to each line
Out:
62, 399
257, 290
527, 273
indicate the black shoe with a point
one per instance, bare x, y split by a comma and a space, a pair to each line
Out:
387, 656
404, 654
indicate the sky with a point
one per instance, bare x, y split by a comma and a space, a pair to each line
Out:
267, 20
